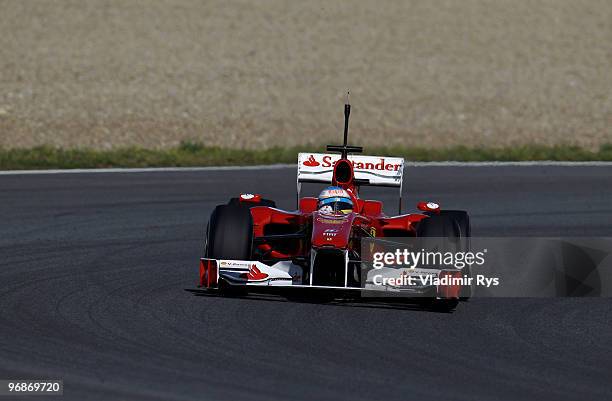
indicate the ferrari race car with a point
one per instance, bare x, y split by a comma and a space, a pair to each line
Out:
251, 245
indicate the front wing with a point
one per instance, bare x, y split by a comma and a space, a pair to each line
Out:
285, 274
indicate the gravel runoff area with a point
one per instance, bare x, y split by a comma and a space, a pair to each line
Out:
101, 74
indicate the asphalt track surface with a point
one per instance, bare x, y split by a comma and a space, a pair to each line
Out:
94, 270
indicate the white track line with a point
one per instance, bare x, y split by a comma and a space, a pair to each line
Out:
147, 169
283, 166
516, 164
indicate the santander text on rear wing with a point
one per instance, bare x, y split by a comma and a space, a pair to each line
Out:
368, 170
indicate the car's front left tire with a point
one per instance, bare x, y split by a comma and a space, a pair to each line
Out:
230, 233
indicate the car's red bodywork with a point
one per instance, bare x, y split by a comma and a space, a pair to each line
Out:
274, 230
367, 218
310, 247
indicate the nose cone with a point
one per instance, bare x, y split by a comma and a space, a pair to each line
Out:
331, 230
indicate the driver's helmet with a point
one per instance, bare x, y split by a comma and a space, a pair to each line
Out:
334, 200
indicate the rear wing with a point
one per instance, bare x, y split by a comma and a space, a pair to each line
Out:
369, 170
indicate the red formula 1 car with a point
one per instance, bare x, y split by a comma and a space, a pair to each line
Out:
252, 245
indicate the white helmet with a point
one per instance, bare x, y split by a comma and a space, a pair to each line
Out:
335, 199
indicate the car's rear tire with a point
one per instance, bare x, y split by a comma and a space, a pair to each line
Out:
229, 235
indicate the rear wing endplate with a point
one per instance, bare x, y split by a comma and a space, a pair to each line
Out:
369, 170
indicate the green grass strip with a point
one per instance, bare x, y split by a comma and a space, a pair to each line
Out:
193, 154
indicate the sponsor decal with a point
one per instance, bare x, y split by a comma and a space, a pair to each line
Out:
311, 162
328, 161
432, 205
255, 274
247, 196
225, 263
330, 233
334, 193
330, 220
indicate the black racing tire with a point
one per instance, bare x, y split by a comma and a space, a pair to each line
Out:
439, 226
463, 221
447, 228
230, 233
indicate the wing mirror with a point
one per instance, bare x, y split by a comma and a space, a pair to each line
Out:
429, 207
